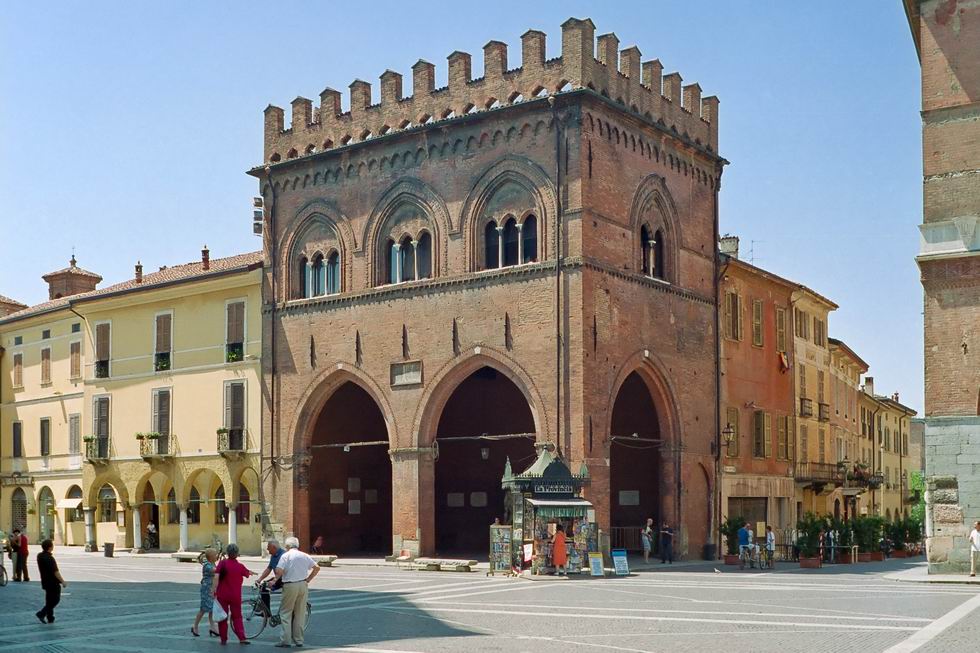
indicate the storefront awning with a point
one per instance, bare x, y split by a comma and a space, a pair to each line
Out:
574, 501
68, 504
852, 491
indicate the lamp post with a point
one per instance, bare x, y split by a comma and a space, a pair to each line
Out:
728, 434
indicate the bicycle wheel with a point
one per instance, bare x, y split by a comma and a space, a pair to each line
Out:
309, 611
3, 576
201, 558
255, 617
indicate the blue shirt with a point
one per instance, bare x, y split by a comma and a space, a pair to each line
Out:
274, 559
743, 536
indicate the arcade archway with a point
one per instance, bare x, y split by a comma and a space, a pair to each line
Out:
634, 457
486, 420
350, 474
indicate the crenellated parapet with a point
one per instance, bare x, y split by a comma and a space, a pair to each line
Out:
585, 62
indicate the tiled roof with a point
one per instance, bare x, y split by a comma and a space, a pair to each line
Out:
11, 302
166, 276
72, 269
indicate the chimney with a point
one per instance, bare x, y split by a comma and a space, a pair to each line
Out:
728, 245
869, 385
205, 258
139, 272
895, 398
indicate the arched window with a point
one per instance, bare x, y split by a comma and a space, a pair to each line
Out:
302, 282
107, 504
394, 262
423, 254
173, 510
318, 276
659, 260
220, 507
18, 510
194, 507
529, 240
244, 508
74, 513
491, 258
407, 259
511, 239
333, 273
646, 250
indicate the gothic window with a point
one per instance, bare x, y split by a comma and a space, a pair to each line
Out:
220, 507
646, 249
244, 505
529, 238
392, 262
511, 237
492, 246
107, 504
301, 278
173, 510
194, 507
317, 276
423, 255
659, 261
333, 273
407, 251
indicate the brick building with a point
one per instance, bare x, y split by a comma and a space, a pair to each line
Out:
456, 277
946, 33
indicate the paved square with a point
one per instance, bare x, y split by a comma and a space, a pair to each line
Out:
148, 604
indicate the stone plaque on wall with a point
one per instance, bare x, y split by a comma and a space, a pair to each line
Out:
407, 373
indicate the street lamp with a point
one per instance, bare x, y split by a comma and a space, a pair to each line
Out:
728, 433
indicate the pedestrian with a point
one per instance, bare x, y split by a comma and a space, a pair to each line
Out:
207, 593
745, 546
559, 553
19, 547
151, 536
317, 548
275, 552
770, 546
51, 582
646, 537
228, 591
974, 548
295, 570
666, 544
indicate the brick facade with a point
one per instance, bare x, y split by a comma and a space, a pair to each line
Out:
575, 351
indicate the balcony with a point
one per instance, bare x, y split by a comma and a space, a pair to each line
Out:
231, 442
157, 447
234, 352
823, 412
97, 450
819, 473
806, 407
161, 361
102, 369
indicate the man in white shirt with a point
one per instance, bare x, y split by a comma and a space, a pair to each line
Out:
295, 570
974, 548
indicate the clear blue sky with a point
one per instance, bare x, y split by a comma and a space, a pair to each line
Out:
126, 131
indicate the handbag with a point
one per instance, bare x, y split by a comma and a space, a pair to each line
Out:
217, 612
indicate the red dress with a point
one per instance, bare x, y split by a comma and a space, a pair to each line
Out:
559, 555
231, 573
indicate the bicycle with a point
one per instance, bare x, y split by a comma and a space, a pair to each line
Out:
747, 553
257, 616
3, 575
217, 546
766, 559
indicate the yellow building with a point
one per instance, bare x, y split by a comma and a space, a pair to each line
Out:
135, 404
816, 469
846, 368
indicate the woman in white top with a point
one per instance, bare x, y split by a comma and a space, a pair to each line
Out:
974, 548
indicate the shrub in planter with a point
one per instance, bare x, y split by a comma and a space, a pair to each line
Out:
867, 535
808, 540
898, 534
730, 530
844, 539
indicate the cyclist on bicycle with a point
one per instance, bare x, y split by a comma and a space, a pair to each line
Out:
275, 552
745, 545
770, 546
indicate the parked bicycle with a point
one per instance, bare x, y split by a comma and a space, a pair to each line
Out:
257, 616
217, 546
748, 553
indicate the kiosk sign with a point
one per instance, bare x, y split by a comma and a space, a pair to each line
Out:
620, 563
553, 488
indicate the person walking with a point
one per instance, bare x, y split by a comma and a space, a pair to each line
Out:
51, 582
207, 593
770, 546
646, 538
318, 548
974, 548
228, 591
295, 569
666, 544
745, 546
19, 546
559, 553
275, 553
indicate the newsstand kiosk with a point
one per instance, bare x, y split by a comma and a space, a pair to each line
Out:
541, 499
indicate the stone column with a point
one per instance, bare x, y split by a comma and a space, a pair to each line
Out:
500, 247
415, 258
413, 511
183, 529
520, 243
90, 543
137, 529
232, 525
397, 263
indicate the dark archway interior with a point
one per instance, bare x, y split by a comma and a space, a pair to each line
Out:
468, 495
350, 491
634, 466
149, 512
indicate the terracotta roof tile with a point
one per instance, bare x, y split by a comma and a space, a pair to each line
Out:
11, 302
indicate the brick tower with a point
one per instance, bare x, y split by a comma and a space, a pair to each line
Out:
459, 276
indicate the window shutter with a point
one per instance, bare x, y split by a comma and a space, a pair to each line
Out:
75, 350
781, 329
228, 402
729, 327
46, 365
757, 322
768, 436
102, 342
18, 437
757, 434
163, 412
733, 421
102, 417
781, 445
74, 439
163, 333
18, 370
45, 437
790, 440
238, 405
738, 316
236, 322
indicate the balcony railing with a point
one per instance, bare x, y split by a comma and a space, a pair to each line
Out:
823, 412
231, 442
819, 473
97, 450
806, 407
157, 448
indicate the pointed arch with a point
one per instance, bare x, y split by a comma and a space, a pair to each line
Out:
653, 209
317, 227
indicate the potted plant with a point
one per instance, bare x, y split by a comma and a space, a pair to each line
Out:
867, 533
222, 431
844, 541
913, 534
730, 530
140, 436
808, 540
898, 534
152, 436
89, 438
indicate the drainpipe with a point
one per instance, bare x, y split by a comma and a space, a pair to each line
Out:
273, 431
558, 261
715, 497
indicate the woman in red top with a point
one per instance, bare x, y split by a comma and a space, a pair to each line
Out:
228, 591
559, 554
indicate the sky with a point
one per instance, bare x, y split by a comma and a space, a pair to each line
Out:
126, 130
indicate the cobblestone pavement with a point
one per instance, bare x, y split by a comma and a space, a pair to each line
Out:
147, 604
